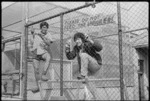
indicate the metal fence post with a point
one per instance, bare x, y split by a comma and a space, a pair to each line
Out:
120, 51
61, 55
24, 45
25, 67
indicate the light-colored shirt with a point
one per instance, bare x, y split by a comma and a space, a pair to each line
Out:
38, 43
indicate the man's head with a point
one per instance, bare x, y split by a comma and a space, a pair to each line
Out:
44, 26
79, 38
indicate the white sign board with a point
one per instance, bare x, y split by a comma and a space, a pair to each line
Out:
96, 20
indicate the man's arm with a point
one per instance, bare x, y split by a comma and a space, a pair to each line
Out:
97, 46
47, 41
35, 43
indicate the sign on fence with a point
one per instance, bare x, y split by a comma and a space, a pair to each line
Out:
96, 20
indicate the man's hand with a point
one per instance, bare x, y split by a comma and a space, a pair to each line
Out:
44, 46
67, 46
68, 43
46, 40
88, 38
32, 31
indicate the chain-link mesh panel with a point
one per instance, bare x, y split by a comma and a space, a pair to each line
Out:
10, 69
100, 23
135, 38
101, 26
81, 91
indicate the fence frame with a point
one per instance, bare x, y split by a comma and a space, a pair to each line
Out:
24, 46
61, 40
120, 51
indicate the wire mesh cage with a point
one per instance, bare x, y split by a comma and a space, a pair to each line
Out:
121, 30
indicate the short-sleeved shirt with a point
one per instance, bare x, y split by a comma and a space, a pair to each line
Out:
39, 44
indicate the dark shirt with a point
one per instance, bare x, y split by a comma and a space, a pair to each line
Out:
88, 48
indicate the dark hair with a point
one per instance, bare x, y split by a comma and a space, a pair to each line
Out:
44, 24
79, 35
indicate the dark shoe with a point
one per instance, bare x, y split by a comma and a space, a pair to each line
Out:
35, 90
44, 78
81, 77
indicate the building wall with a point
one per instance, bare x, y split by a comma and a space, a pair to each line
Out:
143, 54
138, 55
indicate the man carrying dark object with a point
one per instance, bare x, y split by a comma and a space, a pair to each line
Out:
41, 51
86, 51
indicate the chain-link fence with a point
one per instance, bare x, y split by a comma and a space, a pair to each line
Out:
101, 23
11, 68
135, 39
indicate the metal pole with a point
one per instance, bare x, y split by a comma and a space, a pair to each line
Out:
25, 68
120, 52
71, 10
146, 28
29, 17
24, 50
61, 55
26, 53
80, 81
11, 31
11, 39
21, 55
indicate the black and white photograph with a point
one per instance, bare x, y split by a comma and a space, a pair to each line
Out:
69, 50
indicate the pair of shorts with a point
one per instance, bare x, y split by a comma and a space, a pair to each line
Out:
39, 57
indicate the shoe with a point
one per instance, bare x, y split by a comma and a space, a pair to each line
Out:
35, 90
81, 77
44, 78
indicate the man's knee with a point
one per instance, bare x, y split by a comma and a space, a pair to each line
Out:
47, 57
84, 55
